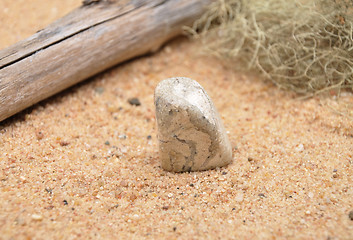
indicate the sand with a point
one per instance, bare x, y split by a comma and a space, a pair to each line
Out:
84, 164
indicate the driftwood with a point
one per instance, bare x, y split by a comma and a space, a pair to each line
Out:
94, 37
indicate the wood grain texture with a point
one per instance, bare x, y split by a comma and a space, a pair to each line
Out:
94, 37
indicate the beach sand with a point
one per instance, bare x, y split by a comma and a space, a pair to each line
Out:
84, 164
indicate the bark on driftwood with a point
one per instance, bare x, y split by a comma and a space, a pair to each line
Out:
94, 37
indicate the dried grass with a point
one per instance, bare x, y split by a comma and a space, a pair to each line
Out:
304, 47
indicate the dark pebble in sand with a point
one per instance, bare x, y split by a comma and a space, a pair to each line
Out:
64, 143
49, 190
134, 101
262, 195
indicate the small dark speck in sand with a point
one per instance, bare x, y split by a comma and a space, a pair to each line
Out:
134, 101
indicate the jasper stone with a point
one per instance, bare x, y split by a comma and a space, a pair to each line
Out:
190, 132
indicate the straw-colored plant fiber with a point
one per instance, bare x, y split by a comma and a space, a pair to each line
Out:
305, 47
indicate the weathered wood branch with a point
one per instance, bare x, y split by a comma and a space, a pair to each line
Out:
88, 40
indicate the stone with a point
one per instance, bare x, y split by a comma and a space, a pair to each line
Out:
190, 132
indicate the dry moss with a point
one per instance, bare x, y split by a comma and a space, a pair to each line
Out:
305, 47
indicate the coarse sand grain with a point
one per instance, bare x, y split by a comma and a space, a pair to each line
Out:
84, 164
